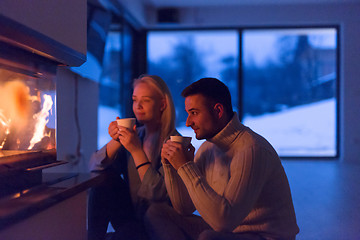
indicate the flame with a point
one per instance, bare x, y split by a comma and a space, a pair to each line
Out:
14, 102
6, 124
14, 107
20, 118
41, 119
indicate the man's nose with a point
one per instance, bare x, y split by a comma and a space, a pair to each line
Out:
188, 122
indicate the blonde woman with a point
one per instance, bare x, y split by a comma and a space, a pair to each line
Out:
131, 162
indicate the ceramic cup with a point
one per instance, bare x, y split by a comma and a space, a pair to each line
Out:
185, 141
126, 122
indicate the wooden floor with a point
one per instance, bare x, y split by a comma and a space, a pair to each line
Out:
326, 197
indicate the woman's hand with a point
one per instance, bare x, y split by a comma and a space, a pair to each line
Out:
129, 139
176, 154
114, 130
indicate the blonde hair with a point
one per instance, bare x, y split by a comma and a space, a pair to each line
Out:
167, 120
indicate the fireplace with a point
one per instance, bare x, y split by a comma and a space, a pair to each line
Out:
28, 63
27, 117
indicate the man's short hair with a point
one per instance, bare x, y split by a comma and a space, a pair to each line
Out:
213, 89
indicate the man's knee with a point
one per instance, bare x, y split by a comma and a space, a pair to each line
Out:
213, 235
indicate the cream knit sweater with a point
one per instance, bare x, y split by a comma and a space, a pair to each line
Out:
237, 184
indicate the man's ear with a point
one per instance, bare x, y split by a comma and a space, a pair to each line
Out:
219, 110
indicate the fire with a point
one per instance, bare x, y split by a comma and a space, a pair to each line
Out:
14, 102
14, 107
22, 123
6, 125
41, 119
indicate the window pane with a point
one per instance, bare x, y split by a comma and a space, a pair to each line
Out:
182, 57
289, 91
109, 86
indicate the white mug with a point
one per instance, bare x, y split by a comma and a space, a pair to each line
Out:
185, 141
126, 122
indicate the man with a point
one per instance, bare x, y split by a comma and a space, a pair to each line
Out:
236, 181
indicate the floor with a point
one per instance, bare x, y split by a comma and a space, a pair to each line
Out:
326, 197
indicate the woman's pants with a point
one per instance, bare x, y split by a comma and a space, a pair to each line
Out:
109, 202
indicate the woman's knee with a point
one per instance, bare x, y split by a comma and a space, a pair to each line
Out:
156, 210
208, 235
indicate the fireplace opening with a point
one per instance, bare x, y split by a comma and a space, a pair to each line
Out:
27, 118
27, 115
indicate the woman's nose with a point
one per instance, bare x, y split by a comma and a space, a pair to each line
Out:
138, 105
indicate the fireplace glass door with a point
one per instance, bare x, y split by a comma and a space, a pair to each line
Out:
27, 107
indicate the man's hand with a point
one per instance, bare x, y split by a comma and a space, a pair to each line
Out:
176, 154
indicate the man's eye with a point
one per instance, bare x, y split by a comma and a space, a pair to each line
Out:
194, 113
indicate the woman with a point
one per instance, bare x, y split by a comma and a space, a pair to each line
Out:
131, 164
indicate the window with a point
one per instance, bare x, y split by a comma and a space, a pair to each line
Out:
289, 89
181, 57
288, 81
109, 86
105, 68
115, 56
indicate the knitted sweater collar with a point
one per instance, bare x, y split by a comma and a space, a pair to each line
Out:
228, 134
